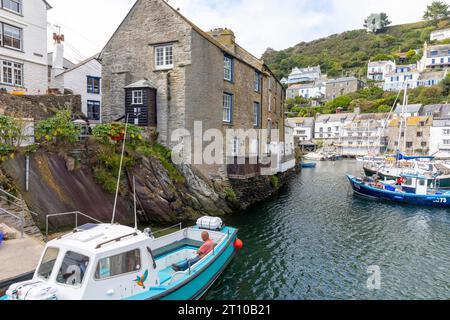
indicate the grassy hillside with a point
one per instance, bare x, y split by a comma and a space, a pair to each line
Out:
348, 53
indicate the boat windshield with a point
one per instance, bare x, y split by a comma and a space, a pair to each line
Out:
48, 262
73, 269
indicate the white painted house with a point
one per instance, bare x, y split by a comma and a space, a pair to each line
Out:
309, 74
440, 133
435, 57
23, 46
315, 90
440, 35
377, 70
396, 80
329, 127
83, 79
303, 128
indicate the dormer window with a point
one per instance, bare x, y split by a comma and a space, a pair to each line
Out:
12, 5
164, 57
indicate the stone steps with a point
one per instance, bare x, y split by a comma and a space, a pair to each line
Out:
30, 227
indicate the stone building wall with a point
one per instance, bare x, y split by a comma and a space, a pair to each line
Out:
130, 56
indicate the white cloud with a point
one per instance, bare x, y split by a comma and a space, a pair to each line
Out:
258, 24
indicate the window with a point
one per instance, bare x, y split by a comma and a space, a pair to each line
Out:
235, 146
256, 114
93, 85
73, 269
419, 134
124, 263
447, 142
12, 37
409, 145
228, 68
423, 144
257, 81
227, 107
137, 97
48, 262
18, 71
446, 132
270, 101
93, 110
164, 57
13, 5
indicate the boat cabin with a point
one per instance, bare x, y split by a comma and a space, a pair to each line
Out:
415, 184
112, 262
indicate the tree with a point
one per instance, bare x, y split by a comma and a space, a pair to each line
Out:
445, 84
377, 21
438, 10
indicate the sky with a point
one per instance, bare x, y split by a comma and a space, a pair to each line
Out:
257, 24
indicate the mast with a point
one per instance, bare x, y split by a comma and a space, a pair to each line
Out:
120, 171
401, 123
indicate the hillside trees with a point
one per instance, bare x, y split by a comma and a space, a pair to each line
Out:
436, 11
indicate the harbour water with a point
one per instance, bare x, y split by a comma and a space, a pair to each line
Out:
317, 241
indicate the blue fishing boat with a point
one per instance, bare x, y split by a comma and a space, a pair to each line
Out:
413, 189
308, 165
116, 262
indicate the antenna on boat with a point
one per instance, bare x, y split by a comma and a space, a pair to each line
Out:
135, 206
120, 170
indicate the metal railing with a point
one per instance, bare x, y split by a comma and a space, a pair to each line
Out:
19, 204
75, 213
179, 226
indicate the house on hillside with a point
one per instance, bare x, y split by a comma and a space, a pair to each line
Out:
366, 135
435, 110
428, 79
415, 135
313, 90
83, 78
440, 132
342, 86
192, 76
403, 74
411, 110
303, 129
377, 70
440, 35
435, 57
300, 75
23, 46
329, 127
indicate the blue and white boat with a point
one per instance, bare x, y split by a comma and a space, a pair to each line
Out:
308, 165
116, 262
413, 190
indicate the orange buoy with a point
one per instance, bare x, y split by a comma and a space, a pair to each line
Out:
238, 244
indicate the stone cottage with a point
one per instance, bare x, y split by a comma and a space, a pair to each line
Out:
194, 76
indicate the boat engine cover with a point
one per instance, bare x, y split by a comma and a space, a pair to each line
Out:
210, 223
31, 290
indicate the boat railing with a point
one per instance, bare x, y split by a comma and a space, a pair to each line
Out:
73, 213
177, 226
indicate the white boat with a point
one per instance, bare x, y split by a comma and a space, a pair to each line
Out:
114, 262
314, 156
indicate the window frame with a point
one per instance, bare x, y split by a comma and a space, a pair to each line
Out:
94, 104
3, 36
226, 58
97, 264
133, 97
92, 89
257, 82
85, 275
230, 112
256, 114
20, 4
165, 65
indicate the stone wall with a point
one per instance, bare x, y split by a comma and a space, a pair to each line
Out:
251, 191
38, 107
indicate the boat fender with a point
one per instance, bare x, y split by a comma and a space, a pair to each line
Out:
238, 244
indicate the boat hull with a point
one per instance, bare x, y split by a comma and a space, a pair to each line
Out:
360, 188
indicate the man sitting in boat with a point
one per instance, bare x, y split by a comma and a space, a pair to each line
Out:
204, 250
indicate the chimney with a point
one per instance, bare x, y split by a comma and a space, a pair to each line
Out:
57, 63
224, 36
